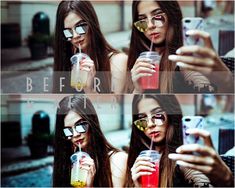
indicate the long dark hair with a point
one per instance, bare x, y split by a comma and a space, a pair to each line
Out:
173, 139
98, 147
140, 43
98, 48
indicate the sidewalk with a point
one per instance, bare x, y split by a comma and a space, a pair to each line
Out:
17, 160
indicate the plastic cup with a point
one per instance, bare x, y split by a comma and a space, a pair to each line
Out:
153, 179
151, 82
78, 176
78, 77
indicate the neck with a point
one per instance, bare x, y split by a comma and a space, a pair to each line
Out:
158, 148
159, 50
159, 47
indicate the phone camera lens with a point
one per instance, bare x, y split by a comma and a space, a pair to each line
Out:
187, 21
187, 119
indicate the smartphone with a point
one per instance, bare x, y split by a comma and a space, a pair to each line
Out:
192, 23
192, 122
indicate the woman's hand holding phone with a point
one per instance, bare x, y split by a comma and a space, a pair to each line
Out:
208, 161
203, 59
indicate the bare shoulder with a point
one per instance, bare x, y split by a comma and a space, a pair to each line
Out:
119, 59
118, 164
119, 56
119, 157
118, 161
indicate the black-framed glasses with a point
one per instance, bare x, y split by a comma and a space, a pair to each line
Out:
80, 126
157, 118
157, 20
80, 29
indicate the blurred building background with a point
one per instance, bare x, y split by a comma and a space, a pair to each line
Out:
114, 16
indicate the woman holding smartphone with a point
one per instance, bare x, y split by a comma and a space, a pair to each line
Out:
159, 23
157, 118
77, 124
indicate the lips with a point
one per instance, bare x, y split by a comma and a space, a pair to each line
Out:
154, 35
79, 42
154, 133
79, 141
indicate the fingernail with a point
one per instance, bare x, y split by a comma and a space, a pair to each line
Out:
172, 156
153, 71
178, 51
180, 64
153, 66
188, 131
172, 57
190, 32
178, 150
181, 163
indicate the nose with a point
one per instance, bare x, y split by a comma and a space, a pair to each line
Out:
150, 122
151, 23
75, 133
75, 34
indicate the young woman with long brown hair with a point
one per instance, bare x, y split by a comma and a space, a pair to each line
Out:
77, 123
160, 22
158, 118
77, 26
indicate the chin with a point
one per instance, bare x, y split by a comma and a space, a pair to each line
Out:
158, 41
83, 145
158, 139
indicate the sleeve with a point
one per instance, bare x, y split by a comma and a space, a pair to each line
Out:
198, 82
196, 178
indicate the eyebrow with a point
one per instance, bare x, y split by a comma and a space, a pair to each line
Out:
80, 120
155, 110
157, 10
158, 109
76, 24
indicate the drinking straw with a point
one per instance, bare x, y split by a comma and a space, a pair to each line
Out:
151, 145
80, 50
80, 148
151, 46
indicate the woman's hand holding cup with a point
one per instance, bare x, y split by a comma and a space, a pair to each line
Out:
88, 66
142, 166
89, 165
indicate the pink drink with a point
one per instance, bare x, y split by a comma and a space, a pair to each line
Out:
151, 180
151, 82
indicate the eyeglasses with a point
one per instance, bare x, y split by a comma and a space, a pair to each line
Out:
80, 29
157, 20
157, 118
81, 127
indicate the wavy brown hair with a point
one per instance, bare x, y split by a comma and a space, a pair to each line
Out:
173, 139
140, 43
98, 47
98, 147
